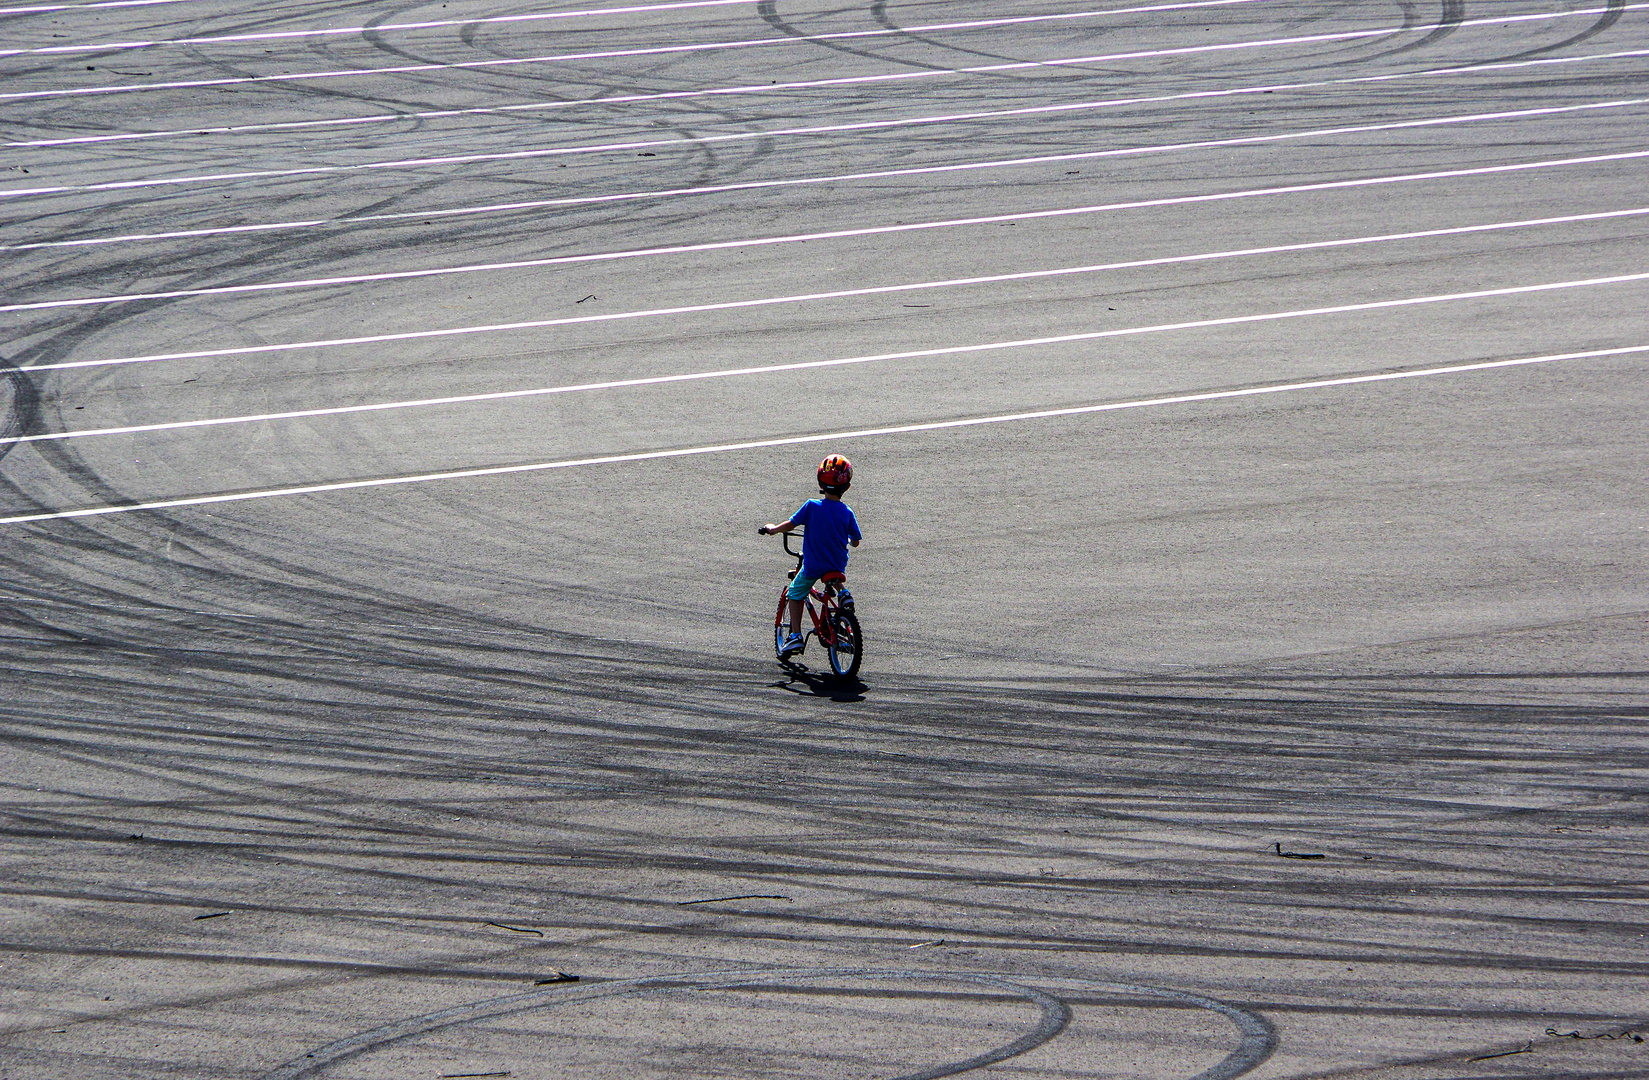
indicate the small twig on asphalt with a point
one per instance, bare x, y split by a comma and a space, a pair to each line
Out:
925, 944
214, 915
455, 1076
719, 899
1556, 1034
1504, 1053
517, 929
558, 977
1297, 854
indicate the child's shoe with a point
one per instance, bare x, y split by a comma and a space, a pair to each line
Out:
792, 645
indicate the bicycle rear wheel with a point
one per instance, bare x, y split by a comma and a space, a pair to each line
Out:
845, 644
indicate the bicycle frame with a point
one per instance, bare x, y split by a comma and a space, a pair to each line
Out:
825, 594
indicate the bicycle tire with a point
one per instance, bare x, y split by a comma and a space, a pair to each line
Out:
846, 644
781, 625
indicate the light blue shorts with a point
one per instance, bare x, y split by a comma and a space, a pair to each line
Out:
800, 587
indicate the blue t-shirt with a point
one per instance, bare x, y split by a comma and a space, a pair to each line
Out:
830, 525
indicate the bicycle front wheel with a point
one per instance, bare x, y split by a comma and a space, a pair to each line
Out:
846, 644
781, 623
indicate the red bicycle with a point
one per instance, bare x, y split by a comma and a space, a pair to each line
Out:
835, 623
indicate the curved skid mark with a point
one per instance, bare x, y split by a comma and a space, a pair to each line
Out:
351, 31
769, 12
1610, 16
610, 53
1454, 13
921, 72
836, 234
20, 410
1259, 1038
878, 12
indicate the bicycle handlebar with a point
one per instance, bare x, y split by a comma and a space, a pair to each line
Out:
762, 530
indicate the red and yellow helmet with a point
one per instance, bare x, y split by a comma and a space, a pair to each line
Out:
835, 471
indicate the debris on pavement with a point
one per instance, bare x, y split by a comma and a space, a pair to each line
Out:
1298, 854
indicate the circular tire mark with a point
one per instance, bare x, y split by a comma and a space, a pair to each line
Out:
1454, 13
20, 406
878, 12
1259, 1038
1612, 12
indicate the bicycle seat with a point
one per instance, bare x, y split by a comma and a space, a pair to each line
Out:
834, 575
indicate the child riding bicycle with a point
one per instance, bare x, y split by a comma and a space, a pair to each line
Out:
831, 528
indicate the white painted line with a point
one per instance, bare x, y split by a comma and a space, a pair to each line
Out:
724, 373
335, 31
875, 230
538, 324
776, 87
789, 40
714, 189
40, 9
754, 88
770, 133
795, 440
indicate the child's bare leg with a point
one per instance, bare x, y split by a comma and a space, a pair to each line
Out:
795, 616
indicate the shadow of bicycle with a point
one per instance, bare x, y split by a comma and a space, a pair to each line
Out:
802, 681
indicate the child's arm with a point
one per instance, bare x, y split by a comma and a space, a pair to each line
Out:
770, 528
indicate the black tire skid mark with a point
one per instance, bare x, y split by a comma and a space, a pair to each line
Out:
667, 732
927, 767
1328, 56
466, 670
22, 406
782, 867
262, 255
879, 15
886, 879
845, 876
213, 774
162, 29
59, 455
768, 10
1055, 1016
709, 171
188, 26
878, 11
502, 79
1613, 10
1453, 14
326, 47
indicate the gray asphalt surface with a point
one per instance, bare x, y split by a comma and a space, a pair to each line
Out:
330, 744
